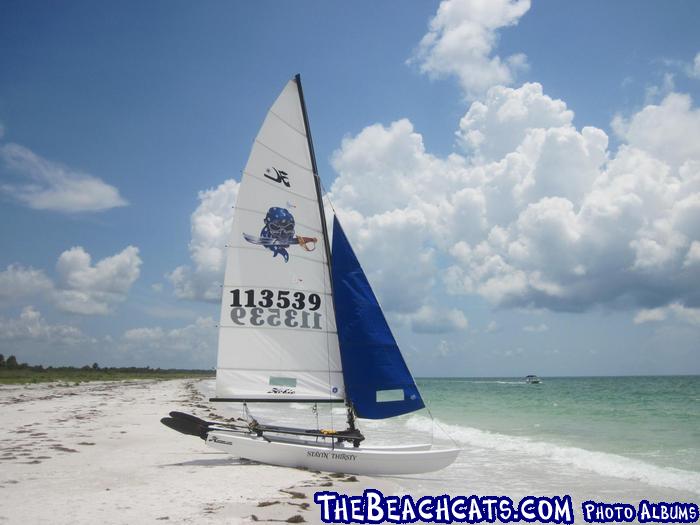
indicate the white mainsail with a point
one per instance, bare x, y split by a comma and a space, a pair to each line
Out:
277, 335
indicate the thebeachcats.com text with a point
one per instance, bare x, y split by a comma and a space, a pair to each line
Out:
375, 507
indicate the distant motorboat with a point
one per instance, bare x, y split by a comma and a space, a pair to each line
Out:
532, 380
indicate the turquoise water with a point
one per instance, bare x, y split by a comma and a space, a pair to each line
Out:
653, 419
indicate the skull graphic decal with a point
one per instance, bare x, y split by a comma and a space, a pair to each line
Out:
278, 234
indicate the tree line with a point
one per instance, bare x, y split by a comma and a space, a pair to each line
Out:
11, 363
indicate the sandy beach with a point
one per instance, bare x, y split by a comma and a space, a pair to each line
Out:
97, 453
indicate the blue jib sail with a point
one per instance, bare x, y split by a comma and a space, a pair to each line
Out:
377, 380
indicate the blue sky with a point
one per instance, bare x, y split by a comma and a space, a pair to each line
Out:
116, 117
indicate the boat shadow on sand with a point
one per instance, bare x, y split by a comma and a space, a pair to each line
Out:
229, 461
220, 461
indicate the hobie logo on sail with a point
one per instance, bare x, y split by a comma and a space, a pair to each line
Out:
281, 390
280, 176
278, 234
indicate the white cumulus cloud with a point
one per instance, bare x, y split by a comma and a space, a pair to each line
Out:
431, 320
673, 310
498, 125
88, 289
668, 130
461, 39
531, 211
81, 287
536, 328
693, 256
31, 326
141, 335
210, 228
16, 281
535, 213
190, 345
693, 69
46, 185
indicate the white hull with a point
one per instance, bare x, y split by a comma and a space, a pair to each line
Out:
377, 461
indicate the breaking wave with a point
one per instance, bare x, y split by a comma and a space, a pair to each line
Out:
602, 463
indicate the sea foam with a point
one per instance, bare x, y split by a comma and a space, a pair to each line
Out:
602, 463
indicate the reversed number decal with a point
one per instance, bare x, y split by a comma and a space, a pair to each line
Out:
271, 317
282, 308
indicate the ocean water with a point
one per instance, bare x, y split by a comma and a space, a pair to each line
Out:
627, 436
615, 439
651, 419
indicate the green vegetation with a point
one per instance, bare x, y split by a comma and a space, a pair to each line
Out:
13, 372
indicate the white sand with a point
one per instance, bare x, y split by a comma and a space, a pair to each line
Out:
97, 453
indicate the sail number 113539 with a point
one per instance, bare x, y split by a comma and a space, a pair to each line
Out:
282, 308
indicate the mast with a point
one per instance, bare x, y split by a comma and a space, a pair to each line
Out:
317, 179
324, 226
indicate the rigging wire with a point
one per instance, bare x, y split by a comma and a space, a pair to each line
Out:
436, 423
330, 383
327, 196
314, 409
327, 275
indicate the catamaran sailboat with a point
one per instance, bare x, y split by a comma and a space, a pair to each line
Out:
299, 322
